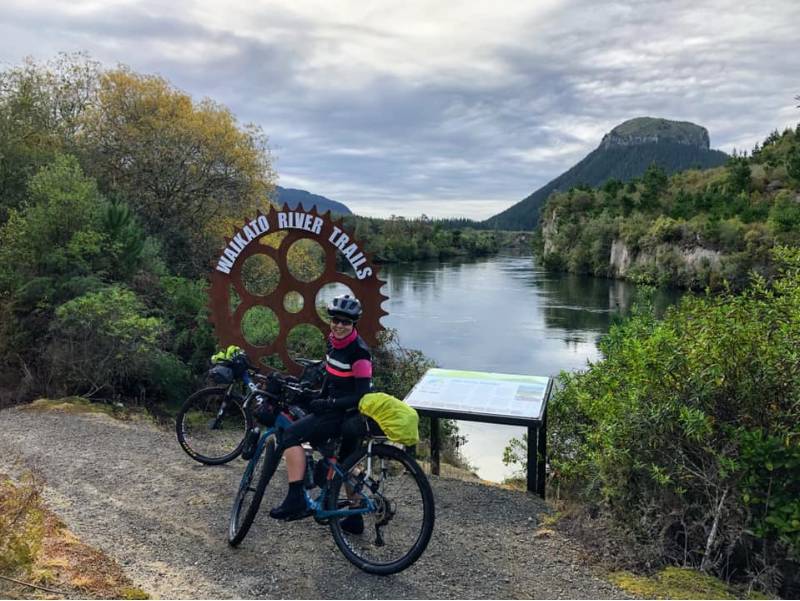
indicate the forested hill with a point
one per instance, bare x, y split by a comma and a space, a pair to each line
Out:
294, 197
695, 229
624, 154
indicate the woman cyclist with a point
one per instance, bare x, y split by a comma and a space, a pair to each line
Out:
348, 363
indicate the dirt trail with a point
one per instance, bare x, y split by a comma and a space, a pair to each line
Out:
128, 489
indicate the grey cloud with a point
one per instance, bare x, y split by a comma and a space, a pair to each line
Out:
458, 134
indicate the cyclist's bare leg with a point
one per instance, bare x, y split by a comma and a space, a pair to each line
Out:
295, 463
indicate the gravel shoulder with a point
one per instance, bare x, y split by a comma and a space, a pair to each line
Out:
128, 489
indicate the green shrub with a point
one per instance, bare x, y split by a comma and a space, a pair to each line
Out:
770, 485
687, 430
553, 262
102, 342
784, 217
184, 304
167, 378
793, 162
731, 235
57, 233
738, 169
663, 230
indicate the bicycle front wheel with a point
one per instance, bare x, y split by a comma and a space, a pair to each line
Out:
399, 526
211, 425
257, 475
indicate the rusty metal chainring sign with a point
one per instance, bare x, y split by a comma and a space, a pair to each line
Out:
298, 224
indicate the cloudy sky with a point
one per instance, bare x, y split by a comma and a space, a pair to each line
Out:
447, 108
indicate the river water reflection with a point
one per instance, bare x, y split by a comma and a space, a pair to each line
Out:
502, 314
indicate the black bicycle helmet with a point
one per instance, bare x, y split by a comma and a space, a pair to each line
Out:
345, 306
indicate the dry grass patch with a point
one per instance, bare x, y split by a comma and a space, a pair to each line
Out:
680, 583
37, 548
75, 405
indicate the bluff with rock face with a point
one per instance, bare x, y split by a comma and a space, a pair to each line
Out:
647, 130
624, 153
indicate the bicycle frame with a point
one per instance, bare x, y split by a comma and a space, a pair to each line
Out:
231, 394
317, 505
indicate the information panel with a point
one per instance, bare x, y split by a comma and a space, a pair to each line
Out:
480, 393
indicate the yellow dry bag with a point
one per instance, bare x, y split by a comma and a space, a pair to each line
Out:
398, 420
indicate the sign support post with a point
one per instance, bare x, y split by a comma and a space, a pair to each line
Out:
435, 446
541, 461
536, 472
532, 475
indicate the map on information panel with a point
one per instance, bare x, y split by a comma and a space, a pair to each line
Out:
481, 393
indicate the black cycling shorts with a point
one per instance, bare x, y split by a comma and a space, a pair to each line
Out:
316, 429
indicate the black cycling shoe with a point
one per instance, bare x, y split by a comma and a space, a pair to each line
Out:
250, 444
353, 524
291, 510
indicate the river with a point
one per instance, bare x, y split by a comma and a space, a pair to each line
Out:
502, 314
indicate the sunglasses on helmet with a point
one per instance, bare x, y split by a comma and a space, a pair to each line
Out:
343, 322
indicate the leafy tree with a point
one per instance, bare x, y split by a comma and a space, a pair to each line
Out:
738, 168
654, 182
57, 234
612, 187
784, 217
187, 168
793, 160
184, 304
40, 109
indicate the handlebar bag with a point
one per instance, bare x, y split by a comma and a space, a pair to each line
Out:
398, 420
221, 374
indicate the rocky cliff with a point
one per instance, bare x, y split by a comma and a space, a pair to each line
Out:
693, 261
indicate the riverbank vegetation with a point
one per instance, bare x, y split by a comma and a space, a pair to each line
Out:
695, 229
399, 239
683, 441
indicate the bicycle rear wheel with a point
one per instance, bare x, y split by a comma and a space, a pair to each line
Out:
259, 470
397, 532
211, 425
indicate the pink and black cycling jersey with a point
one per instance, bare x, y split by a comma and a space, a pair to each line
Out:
348, 364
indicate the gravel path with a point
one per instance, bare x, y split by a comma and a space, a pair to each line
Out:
128, 489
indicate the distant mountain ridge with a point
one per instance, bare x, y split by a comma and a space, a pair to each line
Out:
624, 153
294, 197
